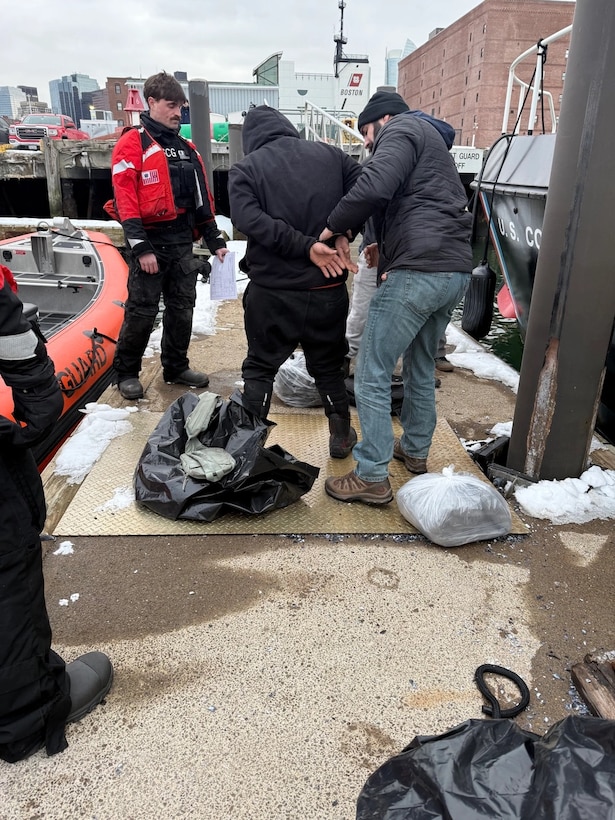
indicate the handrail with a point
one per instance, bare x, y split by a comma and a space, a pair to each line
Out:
536, 88
325, 126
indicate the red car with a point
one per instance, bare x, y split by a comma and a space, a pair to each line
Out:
30, 131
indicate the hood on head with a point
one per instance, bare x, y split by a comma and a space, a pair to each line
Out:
263, 124
447, 132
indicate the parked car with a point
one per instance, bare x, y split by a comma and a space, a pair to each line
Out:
33, 127
4, 131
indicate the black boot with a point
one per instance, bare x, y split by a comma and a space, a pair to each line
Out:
91, 676
342, 436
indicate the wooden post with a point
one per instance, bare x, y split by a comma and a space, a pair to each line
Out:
200, 124
51, 156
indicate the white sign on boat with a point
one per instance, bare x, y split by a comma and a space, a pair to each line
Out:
467, 159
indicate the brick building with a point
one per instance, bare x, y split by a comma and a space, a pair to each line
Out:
117, 95
461, 73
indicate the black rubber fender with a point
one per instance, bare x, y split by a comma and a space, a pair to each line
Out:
478, 302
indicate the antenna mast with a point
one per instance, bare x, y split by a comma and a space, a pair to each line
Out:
339, 40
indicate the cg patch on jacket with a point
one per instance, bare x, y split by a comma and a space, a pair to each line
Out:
150, 177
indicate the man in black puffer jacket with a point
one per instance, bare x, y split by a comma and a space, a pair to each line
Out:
39, 693
412, 191
280, 196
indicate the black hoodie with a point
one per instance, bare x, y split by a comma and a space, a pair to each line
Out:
280, 196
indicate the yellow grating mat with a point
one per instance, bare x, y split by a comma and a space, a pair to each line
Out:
305, 436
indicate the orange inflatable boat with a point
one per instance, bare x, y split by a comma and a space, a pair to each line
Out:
74, 283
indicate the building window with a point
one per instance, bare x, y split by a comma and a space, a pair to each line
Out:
433, 95
484, 28
120, 122
462, 122
477, 98
482, 51
119, 106
468, 59
466, 79
470, 36
464, 103
479, 74
118, 88
563, 75
444, 52
433, 112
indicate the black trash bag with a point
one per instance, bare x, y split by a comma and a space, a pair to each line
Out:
494, 769
264, 478
397, 393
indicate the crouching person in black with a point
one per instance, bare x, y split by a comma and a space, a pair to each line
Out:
39, 693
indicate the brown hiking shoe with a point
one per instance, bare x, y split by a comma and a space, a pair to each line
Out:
413, 465
350, 487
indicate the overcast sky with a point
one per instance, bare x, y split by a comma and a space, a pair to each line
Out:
221, 41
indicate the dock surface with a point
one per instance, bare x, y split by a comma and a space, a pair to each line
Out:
265, 676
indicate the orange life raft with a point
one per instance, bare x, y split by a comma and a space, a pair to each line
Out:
73, 282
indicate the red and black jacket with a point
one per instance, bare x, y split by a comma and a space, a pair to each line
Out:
143, 192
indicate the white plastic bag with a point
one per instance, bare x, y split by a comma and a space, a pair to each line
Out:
293, 384
452, 508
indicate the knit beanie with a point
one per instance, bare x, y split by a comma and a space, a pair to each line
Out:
381, 104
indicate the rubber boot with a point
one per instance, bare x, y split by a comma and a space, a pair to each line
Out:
342, 437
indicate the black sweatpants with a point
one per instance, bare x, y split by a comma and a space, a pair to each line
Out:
34, 685
276, 322
176, 282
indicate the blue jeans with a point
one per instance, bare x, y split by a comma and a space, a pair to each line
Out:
407, 316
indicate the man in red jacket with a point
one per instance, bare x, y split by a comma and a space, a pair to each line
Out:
39, 693
163, 202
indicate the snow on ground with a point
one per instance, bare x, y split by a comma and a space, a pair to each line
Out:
571, 501
86, 445
472, 356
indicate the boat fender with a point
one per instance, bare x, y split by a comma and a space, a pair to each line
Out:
478, 302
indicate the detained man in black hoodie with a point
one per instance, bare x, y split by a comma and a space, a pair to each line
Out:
280, 196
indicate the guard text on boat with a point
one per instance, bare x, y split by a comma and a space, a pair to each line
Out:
78, 372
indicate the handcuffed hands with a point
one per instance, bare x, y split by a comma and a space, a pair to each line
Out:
328, 260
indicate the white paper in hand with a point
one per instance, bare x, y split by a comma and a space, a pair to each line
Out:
222, 280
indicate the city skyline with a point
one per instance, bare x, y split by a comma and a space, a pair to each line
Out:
213, 47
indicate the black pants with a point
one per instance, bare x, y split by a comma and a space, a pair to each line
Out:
34, 686
276, 322
176, 283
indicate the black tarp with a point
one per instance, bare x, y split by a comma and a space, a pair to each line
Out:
264, 478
